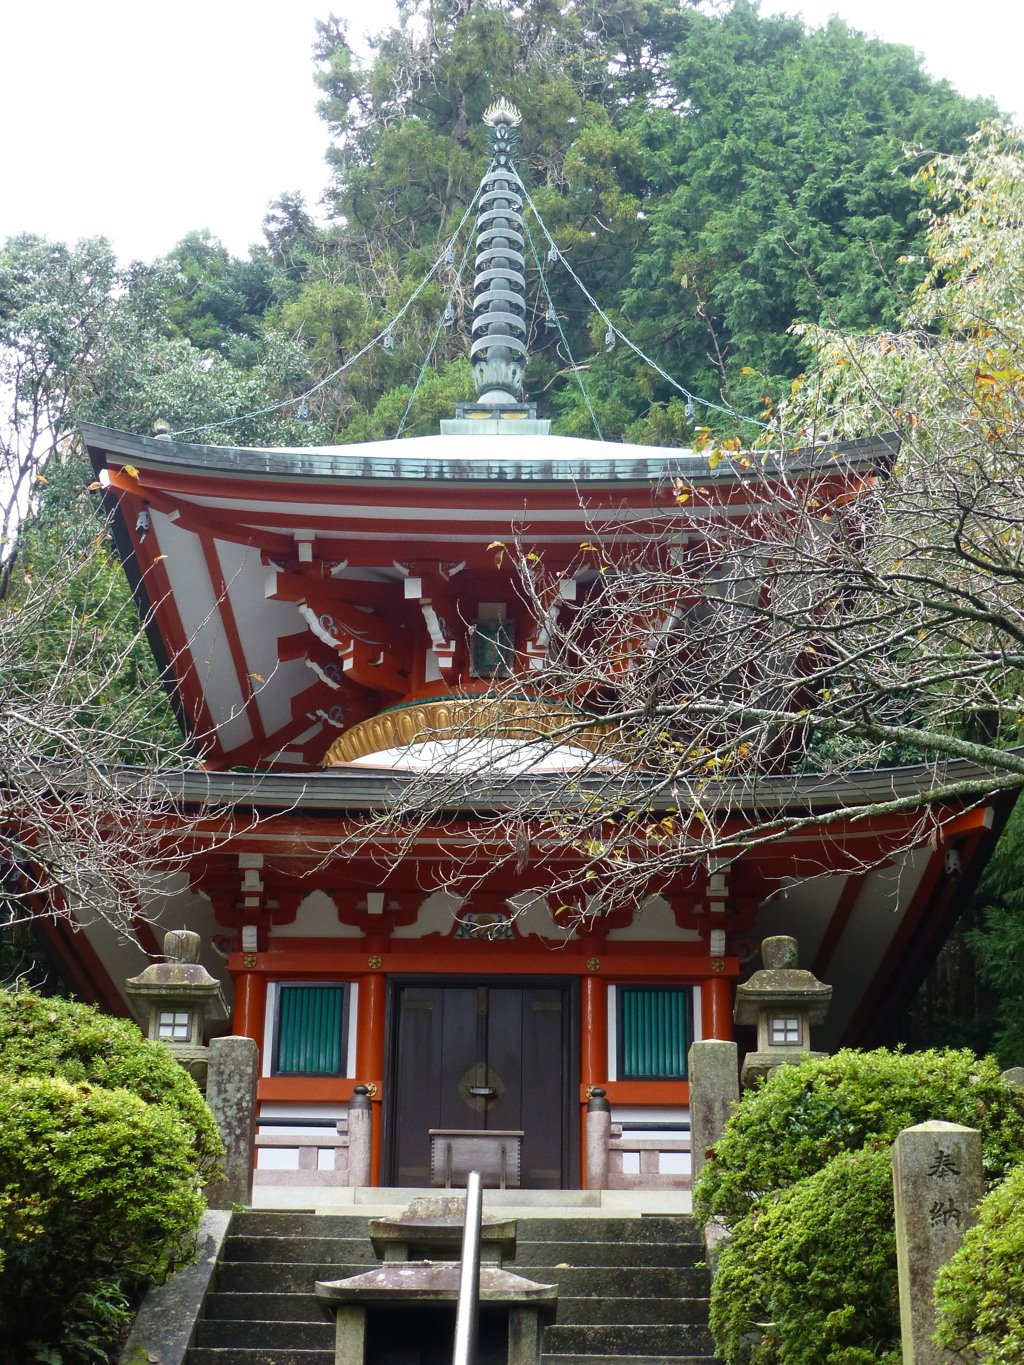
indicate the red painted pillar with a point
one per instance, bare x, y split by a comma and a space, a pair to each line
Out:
593, 1050
716, 1008
370, 1053
250, 1010
594, 1031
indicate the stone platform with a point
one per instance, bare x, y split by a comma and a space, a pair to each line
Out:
390, 1201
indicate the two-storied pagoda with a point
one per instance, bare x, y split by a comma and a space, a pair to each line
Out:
327, 619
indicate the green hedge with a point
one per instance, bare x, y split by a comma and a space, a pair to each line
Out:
802, 1177
105, 1145
805, 1115
980, 1293
95, 1186
811, 1278
51, 1037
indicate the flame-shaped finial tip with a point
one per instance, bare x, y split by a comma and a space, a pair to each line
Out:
503, 111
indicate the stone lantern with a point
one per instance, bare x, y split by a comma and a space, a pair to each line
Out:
179, 998
783, 1002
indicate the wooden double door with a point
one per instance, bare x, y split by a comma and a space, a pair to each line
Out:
485, 1053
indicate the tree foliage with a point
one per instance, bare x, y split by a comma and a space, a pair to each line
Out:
47, 1037
811, 1280
711, 177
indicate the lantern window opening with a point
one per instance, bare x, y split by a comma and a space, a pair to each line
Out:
175, 1025
785, 1030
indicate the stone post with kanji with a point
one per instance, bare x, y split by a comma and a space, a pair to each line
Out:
938, 1183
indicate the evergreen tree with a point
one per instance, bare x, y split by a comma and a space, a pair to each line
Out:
711, 177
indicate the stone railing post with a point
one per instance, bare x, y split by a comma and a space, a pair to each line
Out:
938, 1183
360, 1136
598, 1133
231, 1095
713, 1068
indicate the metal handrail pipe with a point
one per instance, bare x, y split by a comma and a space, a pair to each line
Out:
467, 1312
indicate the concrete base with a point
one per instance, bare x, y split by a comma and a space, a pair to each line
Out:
389, 1202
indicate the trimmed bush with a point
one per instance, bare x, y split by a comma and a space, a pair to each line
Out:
51, 1037
97, 1188
980, 1293
811, 1278
105, 1144
802, 1175
803, 1116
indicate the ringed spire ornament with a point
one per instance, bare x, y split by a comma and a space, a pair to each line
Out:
498, 350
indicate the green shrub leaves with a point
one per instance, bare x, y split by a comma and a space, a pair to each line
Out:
802, 1177
105, 1144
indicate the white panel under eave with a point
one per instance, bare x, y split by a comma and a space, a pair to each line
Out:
655, 922
876, 919
802, 909
208, 643
173, 905
436, 915
260, 622
534, 919
317, 917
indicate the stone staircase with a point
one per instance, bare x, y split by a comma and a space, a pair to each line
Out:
631, 1290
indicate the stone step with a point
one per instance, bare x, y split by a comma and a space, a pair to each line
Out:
262, 1355
649, 1228
350, 1250
632, 1290
613, 1281
548, 1359
303, 1307
280, 1277
608, 1253
661, 1228
288, 1223
256, 1334
602, 1309
628, 1338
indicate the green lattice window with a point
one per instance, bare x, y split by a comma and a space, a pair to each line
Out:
311, 1038
655, 1029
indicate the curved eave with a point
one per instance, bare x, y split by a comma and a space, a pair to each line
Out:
359, 788
527, 459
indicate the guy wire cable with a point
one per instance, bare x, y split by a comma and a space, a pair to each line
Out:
440, 326
693, 397
553, 312
288, 402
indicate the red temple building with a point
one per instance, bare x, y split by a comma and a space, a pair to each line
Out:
325, 616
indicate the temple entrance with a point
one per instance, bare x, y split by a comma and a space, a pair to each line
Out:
499, 1053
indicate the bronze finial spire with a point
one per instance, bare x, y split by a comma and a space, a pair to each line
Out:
498, 350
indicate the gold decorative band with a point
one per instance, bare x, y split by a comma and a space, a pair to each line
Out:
520, 719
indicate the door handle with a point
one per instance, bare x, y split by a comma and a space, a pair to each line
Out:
486, 1090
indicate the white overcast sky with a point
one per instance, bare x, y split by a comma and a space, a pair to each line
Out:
141, 122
